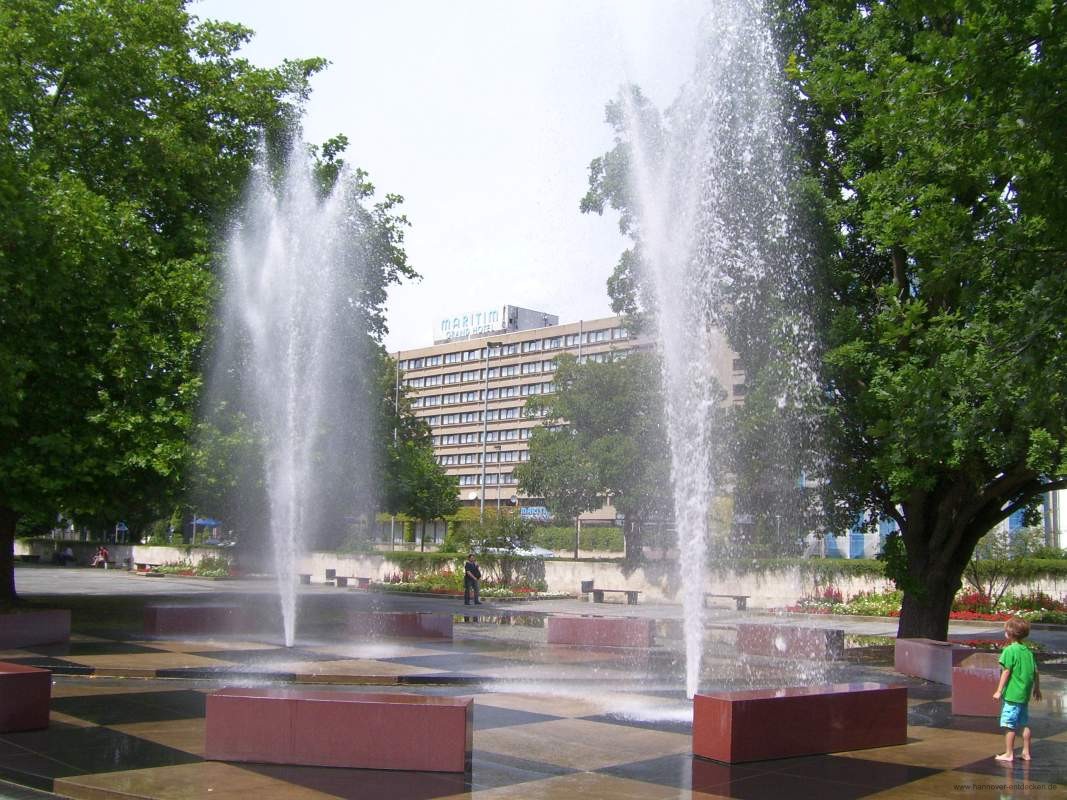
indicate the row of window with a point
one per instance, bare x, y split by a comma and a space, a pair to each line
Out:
509, 435
530, 346
509, 371
499, 393
469, 417
503, 457
491, 479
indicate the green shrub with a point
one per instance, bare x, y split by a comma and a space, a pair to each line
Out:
561, 538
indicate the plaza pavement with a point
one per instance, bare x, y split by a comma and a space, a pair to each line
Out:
550, 722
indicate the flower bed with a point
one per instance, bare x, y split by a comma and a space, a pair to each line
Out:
1036, 607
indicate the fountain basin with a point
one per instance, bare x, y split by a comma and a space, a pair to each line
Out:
25, 694
600, 631
340, 729
765, 724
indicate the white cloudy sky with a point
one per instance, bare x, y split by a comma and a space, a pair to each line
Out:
484, 115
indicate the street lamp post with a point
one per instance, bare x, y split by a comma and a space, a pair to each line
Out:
497, 448
485, 425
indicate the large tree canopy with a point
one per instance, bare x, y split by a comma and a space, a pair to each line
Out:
128, 132
934, 138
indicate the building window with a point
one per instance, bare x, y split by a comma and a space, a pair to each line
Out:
472, 355
452, 358
433, 361
531, 368
554, 343
739, 365
570, 340
740, 389
532, 346
619, 333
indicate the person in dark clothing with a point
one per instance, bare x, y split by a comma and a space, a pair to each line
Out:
472, 578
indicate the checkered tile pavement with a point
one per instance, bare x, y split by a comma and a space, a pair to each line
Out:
128, 721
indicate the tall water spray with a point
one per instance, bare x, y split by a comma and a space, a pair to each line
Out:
293, 354
713, 225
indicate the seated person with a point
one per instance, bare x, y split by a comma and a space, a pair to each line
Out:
101, 557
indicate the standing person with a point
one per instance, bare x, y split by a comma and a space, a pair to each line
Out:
1017, 682
472, 578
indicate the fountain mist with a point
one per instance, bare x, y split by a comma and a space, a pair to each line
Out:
713, 227
293, 354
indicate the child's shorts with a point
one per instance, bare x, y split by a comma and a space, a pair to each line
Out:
1014, 715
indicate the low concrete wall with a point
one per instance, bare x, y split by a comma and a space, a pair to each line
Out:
137, 553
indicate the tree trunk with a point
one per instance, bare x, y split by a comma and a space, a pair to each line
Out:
927, 617
8, 518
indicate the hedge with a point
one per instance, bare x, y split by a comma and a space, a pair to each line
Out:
593, 538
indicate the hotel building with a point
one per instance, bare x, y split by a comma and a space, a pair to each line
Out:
471, 385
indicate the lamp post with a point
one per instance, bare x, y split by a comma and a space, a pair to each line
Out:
497, 448
485, 426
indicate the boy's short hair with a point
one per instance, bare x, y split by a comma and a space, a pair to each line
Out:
1017, 628
471, 555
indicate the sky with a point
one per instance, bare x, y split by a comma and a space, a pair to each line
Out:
484, 115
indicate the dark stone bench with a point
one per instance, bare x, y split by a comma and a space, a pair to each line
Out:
305, 578
340, 729
28, 558
764, 724
25, 695
361, 583
146, 568
600, 631
740, 600
631, 595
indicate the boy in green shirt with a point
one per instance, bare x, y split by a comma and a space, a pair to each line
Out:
1018, 680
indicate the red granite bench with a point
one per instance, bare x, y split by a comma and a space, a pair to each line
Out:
786, 641
199, 620
25, 694
401, 624
600, 631
928, 658
763, 724
974, 680
340, 729
31, 628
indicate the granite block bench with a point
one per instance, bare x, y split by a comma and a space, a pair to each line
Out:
928, 658
400, 624
787, 641
199, 620
340, 729
764, 724
25, 695
33, 627
974, 679
600, 631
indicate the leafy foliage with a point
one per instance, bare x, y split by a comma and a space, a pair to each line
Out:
933, 135
128, 131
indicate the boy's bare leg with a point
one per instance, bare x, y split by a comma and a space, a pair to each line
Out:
1009, 746
1026, 744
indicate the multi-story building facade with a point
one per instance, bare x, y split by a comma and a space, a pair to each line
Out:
472, 384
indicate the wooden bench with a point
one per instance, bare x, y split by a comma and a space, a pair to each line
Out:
741, 600
762, 724
340, 729
28, 558
631, 595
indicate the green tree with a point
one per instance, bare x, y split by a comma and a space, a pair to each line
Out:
128, 131
612, 414
934, 145
413, 483
562, 473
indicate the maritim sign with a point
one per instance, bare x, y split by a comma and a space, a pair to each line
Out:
471, 323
